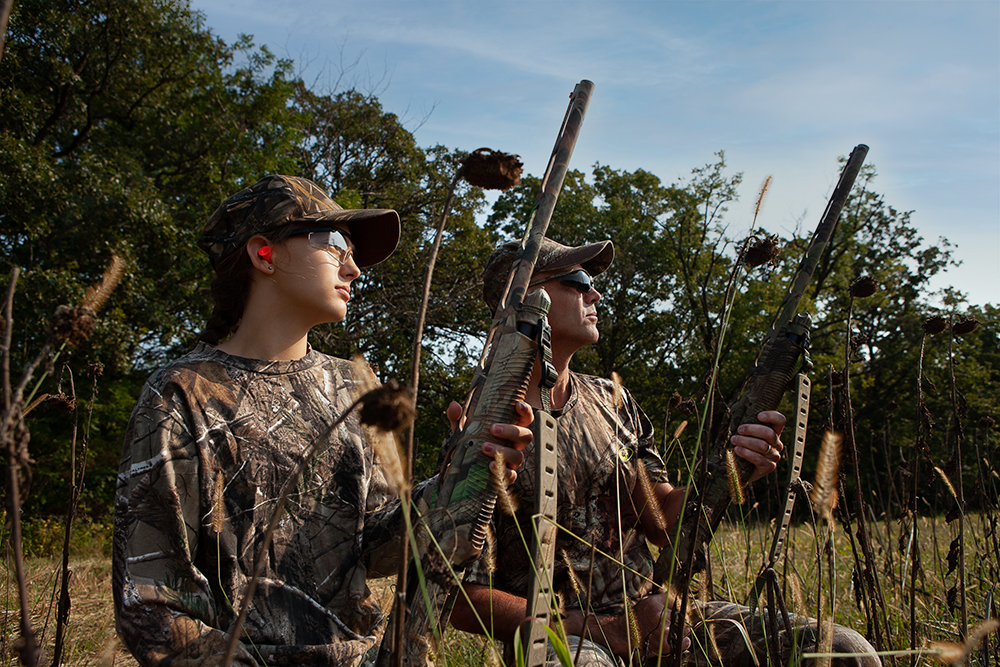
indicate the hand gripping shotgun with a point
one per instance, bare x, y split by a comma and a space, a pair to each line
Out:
453, 531
773, 372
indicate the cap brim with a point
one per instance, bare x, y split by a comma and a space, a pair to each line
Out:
374, 231
595, 258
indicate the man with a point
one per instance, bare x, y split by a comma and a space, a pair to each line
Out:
606, 448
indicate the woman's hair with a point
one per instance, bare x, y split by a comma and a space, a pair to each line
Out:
231, 289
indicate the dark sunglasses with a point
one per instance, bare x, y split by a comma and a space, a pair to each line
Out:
577, 279
331, 239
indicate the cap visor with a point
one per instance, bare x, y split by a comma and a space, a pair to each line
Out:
374, 231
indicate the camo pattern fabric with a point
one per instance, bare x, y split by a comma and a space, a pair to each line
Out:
208, 448
717, 639
604, 442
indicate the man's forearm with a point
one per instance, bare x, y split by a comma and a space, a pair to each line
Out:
500, 614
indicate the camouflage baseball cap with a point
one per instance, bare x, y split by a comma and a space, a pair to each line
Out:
276, 201
595, 258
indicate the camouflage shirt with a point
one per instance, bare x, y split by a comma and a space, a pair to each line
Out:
209, 445
602, 449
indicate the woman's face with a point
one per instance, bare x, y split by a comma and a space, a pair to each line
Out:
313, 278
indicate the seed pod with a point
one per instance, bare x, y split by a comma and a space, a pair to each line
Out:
761, 251
492, 170
863, 287
987, 422
389, 407
675, 400
72, 326
966, 325
935, 325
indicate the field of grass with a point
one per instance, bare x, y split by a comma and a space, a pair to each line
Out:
737, 556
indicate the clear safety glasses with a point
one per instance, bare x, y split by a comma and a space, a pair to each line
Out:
330, 239
577, 279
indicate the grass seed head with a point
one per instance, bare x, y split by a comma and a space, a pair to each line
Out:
824, 493
492, 170
733, 476
616, 394
218, 507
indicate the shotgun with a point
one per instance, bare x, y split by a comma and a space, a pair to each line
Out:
453, 530
773, 372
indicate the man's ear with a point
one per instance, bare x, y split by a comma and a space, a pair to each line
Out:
259, 250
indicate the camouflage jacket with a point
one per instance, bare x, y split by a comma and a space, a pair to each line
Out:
209, 445
602, 449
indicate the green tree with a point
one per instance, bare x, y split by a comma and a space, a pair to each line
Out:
125, 123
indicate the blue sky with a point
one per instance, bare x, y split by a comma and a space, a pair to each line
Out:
783, 87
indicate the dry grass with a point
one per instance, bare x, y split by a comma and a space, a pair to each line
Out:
737, 555
90, 635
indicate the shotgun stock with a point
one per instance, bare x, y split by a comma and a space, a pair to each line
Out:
452, 533
774, 369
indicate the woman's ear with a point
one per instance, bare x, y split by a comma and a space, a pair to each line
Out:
259, 250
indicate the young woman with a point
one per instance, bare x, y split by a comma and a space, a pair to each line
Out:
215, 435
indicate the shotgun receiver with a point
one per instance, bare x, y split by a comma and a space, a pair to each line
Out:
453, 530
774, 369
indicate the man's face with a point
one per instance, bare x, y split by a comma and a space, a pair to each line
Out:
573, 314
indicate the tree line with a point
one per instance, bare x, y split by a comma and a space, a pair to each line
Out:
126, 122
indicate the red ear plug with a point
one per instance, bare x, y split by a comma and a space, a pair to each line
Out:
265, 254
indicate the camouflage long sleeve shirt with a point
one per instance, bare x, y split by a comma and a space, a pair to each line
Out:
604, 443
208, 448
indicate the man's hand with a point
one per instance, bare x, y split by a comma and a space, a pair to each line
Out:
760, 444
511, 438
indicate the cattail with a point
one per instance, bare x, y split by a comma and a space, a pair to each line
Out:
492, 170
218, 506
824, 494
966, 325
863, 287
935, 325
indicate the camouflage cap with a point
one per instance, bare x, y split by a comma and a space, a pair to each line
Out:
595, 258
276, 201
